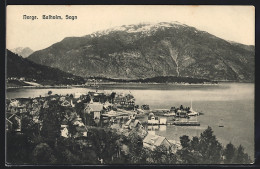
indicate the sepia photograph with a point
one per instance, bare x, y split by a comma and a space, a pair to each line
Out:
130, 85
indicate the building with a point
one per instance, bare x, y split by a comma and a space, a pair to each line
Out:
94, 109
13, 122
152, 119
65, 103
130, 124
152, 141
64, 132
81, 130
77, 95
125, 101
163, 120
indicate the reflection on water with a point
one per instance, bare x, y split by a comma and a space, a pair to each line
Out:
232, 102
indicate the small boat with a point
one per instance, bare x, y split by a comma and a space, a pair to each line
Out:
192, 112
221, 123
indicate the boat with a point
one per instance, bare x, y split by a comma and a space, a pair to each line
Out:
221, 123
182, 114
192, 112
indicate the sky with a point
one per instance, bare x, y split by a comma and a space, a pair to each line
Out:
233, 23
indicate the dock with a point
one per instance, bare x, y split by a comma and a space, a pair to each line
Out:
186, 123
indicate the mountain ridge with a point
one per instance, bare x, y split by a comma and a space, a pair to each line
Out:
143, 50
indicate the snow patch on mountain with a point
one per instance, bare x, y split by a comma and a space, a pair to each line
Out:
144, 28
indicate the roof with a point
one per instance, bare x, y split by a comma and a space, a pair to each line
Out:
151, 114
65, 103
136, 122
81, 129
128, 122
14, 103
154, 139
95, 106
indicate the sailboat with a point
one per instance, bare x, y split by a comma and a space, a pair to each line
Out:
221, 123
192, 112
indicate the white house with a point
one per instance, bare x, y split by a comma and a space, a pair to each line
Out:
64, 131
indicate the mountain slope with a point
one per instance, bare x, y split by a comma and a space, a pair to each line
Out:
148, 50
24, 52
18, 67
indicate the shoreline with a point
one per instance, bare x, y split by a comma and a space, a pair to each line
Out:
112, 83
127, 83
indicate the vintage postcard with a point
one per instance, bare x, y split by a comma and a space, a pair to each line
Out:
130, 84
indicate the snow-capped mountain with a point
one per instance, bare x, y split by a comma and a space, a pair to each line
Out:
148, 50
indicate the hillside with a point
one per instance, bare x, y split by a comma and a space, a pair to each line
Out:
18, 67
149, 50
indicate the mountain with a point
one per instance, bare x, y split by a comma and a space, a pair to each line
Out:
24, 52
18, 67
149, 50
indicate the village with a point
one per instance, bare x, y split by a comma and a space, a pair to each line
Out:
97, 109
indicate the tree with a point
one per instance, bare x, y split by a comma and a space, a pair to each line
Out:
241, 157
43, 154
29, 128
210, 148
203, 150
51, 120
229, 153
18, 148
135, 145
195, 143
185, 141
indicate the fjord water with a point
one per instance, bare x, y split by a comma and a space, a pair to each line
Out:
232, 102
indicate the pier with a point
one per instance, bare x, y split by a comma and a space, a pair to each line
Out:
186, 123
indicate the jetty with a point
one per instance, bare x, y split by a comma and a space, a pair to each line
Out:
186, 123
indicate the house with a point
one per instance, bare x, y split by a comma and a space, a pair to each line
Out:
14, 103
22, 109
78, 121
9, 125
163, 120
107, 106
77, 95
14, 122
65, 103
81, 130
94, 109
45, 105
62, 99
152, 119
152, 141
64, 132
130, 124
